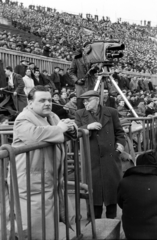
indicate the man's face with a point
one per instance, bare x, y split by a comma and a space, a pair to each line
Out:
25, 63
7, 72
74, 100
36, 74
64, 95
91, 103
56, 97
56, 70
105, 93
41, 104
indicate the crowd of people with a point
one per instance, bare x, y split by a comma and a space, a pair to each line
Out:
51, 103
62, 34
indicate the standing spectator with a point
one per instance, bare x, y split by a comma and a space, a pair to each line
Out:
78, 72
107, 141
68, 80
28, 81
38, 124
21, 69
56, 78
48, 80
61, 73
16, 86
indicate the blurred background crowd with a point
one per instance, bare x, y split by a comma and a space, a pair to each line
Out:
62, 34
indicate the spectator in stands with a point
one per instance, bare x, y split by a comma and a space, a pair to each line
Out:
150, 111
109, 101
48, 80
21, 69
39, 79
56, 78
68, 80
63, 99
34, 125
57, 108
28, 81
137, 198
106, 165
16, 87
72, 106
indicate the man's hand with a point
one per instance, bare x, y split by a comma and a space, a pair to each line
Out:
63, 126
94, 126
1, 89
80, 81
69, 122
15, 93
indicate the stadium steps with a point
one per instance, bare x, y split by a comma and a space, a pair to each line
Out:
25, 35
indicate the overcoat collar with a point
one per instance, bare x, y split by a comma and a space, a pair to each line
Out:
141, 170
88, 118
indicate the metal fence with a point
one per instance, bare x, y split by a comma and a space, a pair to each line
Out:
143, 132
13, 58
11, 213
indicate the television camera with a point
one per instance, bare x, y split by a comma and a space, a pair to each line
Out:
105, 52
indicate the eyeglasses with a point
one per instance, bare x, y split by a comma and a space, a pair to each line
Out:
85, 101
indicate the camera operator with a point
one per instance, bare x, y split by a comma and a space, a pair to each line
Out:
80, 74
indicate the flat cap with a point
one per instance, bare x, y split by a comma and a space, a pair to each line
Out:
24, 60
90, 93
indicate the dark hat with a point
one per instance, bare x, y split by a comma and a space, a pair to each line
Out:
89, 94
72, 95
31, 63
146, 159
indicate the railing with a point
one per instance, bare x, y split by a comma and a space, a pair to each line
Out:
6, 151
13, 58
142, 132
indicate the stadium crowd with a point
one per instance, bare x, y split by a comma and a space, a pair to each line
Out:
62, 34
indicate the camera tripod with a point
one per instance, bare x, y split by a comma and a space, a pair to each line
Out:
104, 76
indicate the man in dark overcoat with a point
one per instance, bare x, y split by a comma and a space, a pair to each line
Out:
78, 72
107, 141
16, 86
21, 69
137, 196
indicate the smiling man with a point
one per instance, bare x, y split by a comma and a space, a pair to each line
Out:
106, 143
37, 123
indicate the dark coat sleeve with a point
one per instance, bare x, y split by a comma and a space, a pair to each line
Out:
78, 121
19, 83
118, 130
73, 71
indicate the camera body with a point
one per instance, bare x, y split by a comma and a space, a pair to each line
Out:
104, 51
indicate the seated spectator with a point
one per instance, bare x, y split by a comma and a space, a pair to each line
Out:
150, 110
72, 105
57, 108
64, 98
108, 100
137, 197
141, 109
